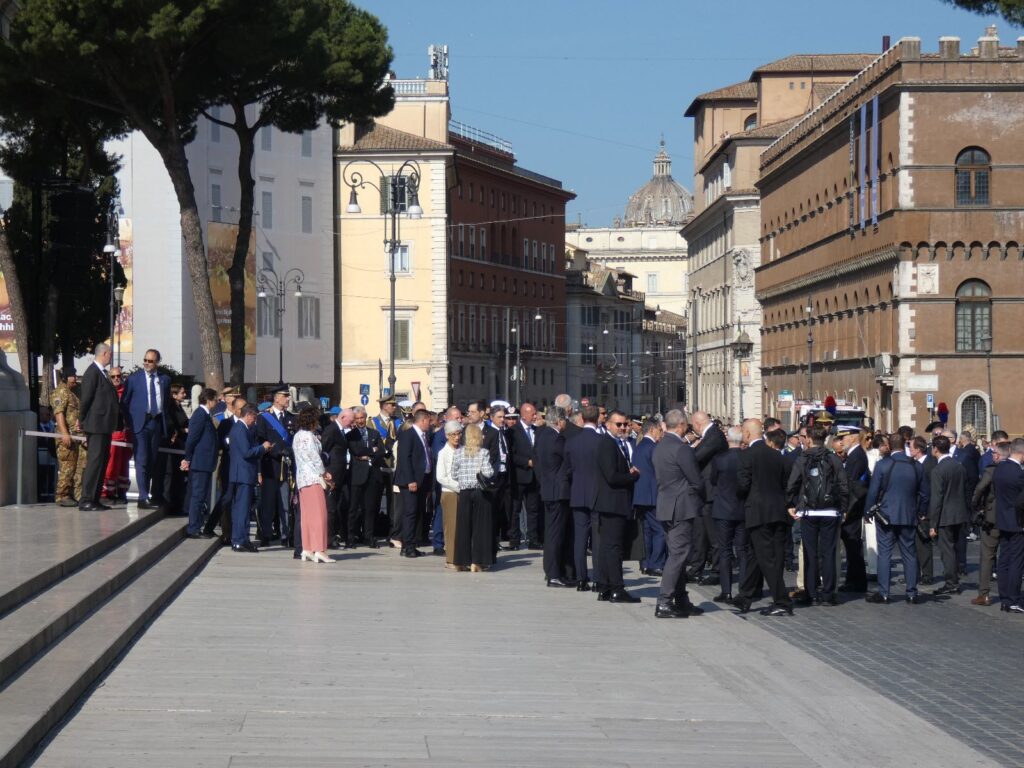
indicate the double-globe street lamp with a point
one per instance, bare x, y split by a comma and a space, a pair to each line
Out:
267, 281
741, 350
402, 196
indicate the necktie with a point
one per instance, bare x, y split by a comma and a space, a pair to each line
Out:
529, 433
363, 433
624, 449
426, 449
152, 395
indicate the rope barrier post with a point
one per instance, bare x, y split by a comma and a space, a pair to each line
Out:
21, 466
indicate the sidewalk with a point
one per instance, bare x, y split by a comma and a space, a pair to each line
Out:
376, 660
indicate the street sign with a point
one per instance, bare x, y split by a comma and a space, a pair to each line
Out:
325, 403
931, 401
786, 394
387, 391
364, 399
364, 389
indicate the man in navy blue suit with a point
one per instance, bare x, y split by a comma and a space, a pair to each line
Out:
414, 476
1008, 485
244, 475
200, 461
146, 395
645, 499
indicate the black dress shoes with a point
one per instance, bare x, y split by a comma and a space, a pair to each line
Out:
583, 586
915, 600
706, 580
534, 544
148, 505
741, 604
621, 596
668, 610
877, 598
88, 506
373, 544
247, 546
558, 583
853, 588
776, 610
724, 597
411, 553
102, 506
947, 590
439, 551
202, 535
604, 596
691, 609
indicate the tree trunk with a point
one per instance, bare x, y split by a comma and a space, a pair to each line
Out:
175, 161
48, 340
236, 274
19, 317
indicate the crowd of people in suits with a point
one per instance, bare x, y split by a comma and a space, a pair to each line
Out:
692, 500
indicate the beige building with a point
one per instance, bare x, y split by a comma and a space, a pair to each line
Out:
647, 242
732, 126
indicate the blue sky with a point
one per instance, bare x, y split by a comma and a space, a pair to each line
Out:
584, 89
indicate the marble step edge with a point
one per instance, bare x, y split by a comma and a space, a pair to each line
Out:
35, 702
37, 623
35, 584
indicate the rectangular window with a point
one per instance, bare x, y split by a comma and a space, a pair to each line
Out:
472, 242
266, 210
266, 316
483, 244
462, 241
394, 188
534, 255
215, 206
268, 260
551, 258
307, 215
307, 143
472, 327
266, 138
403, 265
652, 282
403, 345
215, 127
526, 253
309, 317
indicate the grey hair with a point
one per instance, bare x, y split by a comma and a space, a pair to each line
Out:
674, 418
358, 410
651, 425
564, 402
452, 426
735, 435
101, 348
553, 415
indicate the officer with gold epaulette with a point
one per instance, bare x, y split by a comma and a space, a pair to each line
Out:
70, 453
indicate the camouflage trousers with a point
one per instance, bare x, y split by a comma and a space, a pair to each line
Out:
70, 466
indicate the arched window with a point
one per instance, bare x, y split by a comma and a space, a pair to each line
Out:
973, 166
750, 123
974, 414
973, 316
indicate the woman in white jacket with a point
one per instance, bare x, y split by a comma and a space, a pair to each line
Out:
449, 488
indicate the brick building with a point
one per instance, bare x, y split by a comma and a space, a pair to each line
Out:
891, 226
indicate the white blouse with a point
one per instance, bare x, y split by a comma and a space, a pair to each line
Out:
309, 466
444, 469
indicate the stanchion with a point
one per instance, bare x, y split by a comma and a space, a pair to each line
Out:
21, 465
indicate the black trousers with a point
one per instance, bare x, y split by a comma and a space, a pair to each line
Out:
337, 510
364, 505
581, 529
474, 529
221, 512
95, 467
274, 503
501, 506
511, 506
820, 540
768, 546
925, 555
414, 508
705, 544
556, 518
853, 542
949, 537
529, 495
611, 544
732, 536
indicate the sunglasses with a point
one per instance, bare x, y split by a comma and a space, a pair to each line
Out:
115, 377
147, 360
619, 423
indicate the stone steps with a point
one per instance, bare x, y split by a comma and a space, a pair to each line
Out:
61, 639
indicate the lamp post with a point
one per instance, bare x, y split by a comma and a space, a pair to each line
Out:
267, 280
519, 366
119, 301
986, 343
113, 251
402, 196
810, 351
741, 350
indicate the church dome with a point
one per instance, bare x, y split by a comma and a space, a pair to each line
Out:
662, 200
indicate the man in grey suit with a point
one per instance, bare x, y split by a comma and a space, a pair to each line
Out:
680, 499
98, 417
947, 511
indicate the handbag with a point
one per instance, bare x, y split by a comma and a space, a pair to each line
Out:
487, 483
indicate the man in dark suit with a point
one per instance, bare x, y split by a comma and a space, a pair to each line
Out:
921, 453
414, 476
277, 427
366, 447
852, 527
97, 415
947, 511
709, 443
761, 484
728, 515
146, 397
221, 513
679, 503
645, 499
200, 461
244, 475
334, 442
1008, 486
549, 448
965, 452
521, 445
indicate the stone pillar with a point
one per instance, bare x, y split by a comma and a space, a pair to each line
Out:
15, 415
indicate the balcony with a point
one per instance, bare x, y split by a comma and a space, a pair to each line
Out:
469, 133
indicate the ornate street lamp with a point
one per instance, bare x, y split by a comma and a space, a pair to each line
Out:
742, 348
266, 281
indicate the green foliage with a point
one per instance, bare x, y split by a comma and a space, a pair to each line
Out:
1011, 10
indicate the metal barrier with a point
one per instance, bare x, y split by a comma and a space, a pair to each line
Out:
23, 433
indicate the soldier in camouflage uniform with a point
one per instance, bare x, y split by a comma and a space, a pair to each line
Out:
70, 453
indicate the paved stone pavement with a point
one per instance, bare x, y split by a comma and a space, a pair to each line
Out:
381, 661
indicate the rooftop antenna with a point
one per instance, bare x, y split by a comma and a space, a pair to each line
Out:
438, 62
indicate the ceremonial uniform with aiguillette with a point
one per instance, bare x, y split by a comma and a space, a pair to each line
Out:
277, 428
70, 459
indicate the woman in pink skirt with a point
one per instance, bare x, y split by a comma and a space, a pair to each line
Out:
311, 479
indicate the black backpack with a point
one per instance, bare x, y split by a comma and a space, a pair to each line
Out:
818, 486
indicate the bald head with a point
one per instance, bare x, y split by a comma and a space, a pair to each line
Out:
753, 430
527, 413
700, 421
346, 417
564, 401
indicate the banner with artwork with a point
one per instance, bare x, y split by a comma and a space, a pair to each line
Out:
6, 321
220, 240
125, 319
